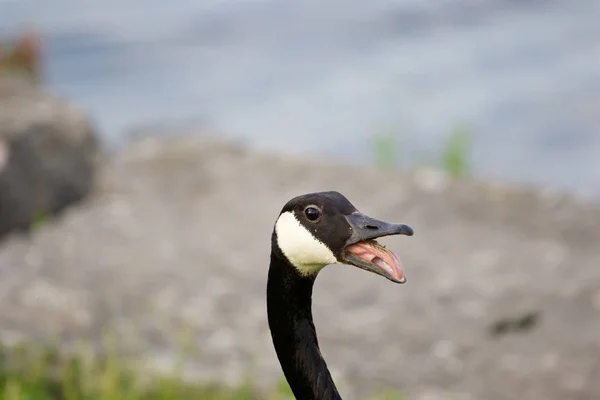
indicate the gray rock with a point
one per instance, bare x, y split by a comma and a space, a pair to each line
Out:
502, 300
48, 154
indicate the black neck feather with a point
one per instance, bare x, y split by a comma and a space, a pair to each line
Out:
293, 332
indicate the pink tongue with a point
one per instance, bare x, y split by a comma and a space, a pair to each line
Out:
385, 259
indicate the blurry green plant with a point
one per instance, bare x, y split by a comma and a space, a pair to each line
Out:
386, 149
389, 395
39, 220
35, 372
454, 158
30, 372
282, 391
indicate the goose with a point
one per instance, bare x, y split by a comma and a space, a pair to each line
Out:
312, 231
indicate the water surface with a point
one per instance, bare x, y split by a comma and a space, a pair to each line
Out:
324, 77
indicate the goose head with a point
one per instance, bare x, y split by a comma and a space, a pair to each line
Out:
318, 229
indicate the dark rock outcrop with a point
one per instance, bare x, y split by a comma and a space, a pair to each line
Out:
502, 300
48, 154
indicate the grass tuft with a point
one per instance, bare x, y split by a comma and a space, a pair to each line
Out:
385, 147
454, 157
33, 372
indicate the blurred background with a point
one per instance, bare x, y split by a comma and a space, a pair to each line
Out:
215, 113
329, 78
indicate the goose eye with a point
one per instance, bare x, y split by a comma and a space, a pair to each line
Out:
312, 213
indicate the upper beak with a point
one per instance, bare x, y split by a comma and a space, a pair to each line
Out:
365, 228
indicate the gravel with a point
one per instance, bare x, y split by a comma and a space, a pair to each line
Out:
502, 300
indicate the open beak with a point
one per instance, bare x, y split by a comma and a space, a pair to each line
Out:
363, 251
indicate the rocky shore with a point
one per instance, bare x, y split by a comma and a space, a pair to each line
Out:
502, 300
48, 153
165, 244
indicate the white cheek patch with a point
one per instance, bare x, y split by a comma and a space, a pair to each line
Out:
308, 254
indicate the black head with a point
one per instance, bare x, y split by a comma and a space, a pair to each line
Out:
317, 229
